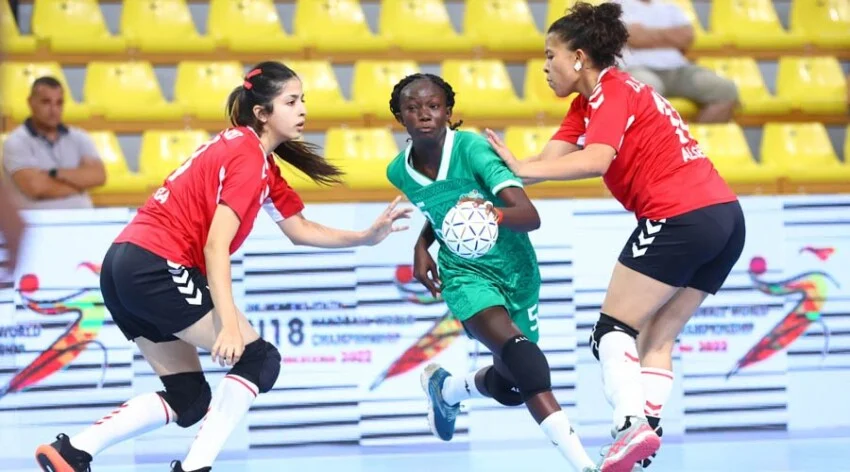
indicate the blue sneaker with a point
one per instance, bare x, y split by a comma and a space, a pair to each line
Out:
441, 416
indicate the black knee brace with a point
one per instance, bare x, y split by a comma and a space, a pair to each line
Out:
528, 366
501, 389
605, 325
188, 394
260, 364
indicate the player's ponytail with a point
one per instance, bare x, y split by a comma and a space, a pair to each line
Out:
304, 157
596, 30
261, 85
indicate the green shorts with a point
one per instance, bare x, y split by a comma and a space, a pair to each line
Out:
468, 296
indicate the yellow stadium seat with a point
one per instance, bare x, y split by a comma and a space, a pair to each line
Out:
803, 153
163, 151
812, 84
363, 153
557, 8
728, 150
162, 26
822, 22
484, 90
335, 26
202, 88
703, 40
74, 26
17, 79
322, 93
433, 31
127, 91
510, 18
685, 107
11, 40
119, 177
249, 26
373, 84
751, 24
538, 93
752, 92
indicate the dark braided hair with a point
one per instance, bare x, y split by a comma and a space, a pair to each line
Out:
597, 30
395, 98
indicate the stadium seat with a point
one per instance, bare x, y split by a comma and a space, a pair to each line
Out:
433, 31
803, 153
127, 91
322, 93
685, 107
847, 146
162, 26
752, 92
249, 26
812, 84
17, 79
163, 151
822, 22
363, 153
484, 90
11, 40
728, 150
557, 8
502, 25
703, 40
74, 26
538, 93
751, 24
373, 83
119, 178
335, 26
202, 88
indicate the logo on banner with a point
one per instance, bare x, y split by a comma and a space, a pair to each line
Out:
87, 304
810, 289
434, 341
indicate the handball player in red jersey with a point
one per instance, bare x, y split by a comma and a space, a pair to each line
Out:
690, 229
166, 279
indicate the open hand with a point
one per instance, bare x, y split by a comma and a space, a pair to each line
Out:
384, 225
499, 146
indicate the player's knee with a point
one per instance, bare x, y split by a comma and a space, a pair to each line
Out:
188, 394
501, 389
259, 364
527, 365
605, 325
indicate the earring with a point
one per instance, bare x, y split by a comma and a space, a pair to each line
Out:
577, 66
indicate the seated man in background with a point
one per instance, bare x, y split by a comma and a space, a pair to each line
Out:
659, 36
49, 164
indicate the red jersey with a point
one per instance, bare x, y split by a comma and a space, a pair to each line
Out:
659, 170
232, 169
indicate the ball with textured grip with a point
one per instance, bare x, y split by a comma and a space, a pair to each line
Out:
470, 231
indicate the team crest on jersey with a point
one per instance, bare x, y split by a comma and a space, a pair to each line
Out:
474, 195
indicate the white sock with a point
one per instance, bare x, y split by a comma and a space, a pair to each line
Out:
457, 389
558, 430
621, 376
138, 416
657, 385
230, 403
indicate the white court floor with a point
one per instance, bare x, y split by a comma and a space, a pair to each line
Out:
733, 452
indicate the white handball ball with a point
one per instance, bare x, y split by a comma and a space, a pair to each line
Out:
470, 231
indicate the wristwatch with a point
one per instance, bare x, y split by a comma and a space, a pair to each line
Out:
52, 173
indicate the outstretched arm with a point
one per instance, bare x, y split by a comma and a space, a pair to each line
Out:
304, 232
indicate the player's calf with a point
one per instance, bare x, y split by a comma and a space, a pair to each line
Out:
255, 373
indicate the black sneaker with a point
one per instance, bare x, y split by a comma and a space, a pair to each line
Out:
176, 466
61, 456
